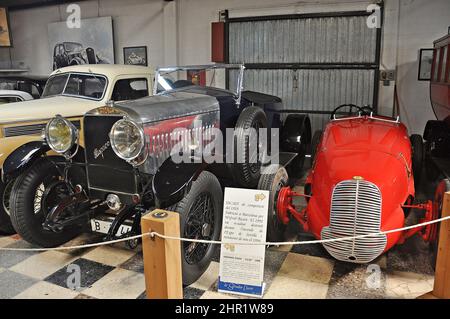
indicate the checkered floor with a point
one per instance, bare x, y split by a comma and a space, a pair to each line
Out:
290, 272
305, 271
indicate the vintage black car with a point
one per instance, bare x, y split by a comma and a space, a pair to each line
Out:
73, 53
130, 163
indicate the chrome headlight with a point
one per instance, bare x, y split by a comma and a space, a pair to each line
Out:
61, 134
127, 139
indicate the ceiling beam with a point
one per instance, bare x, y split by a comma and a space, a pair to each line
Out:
29, 4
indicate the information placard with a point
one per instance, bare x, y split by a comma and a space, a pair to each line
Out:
244, 221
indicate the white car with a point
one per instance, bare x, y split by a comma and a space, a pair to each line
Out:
69, 92
12, 96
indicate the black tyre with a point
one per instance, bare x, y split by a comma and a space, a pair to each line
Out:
442, 188
432, 172
247, 167
417, 156
200, 218
6, 227
29, 208
315, 144
273, 178
296, 137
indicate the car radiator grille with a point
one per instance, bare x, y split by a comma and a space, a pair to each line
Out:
34, 129
355, 210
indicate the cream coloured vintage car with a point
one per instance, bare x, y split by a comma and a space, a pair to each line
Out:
69, 92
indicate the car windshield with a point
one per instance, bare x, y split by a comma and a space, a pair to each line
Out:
76, 84
72, 47
214, 75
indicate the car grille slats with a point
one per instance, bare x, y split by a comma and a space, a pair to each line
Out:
34, 129
355, 211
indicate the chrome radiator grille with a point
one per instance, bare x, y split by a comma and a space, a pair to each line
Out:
34, 129
355, 210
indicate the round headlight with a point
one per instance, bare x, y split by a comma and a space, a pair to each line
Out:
61, 134
127, 139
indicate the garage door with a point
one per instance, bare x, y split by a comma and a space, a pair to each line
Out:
314, 62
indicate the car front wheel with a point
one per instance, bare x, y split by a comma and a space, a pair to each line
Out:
33, 196
200, 218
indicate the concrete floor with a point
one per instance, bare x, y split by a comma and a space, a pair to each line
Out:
305, 271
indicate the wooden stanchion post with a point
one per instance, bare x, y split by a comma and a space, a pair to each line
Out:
162, 258
442, 273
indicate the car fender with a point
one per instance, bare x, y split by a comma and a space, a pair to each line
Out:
296, 131
10, 144
21, 158
173, 181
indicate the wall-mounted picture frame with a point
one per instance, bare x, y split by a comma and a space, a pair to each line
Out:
5, 31
135, 55
425, 63
92, 43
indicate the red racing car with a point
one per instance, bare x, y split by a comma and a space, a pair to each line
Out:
362, 182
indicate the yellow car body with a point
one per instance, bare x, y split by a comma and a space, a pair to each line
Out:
23, 122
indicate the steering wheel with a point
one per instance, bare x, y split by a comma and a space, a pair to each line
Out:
367, 110
350, 111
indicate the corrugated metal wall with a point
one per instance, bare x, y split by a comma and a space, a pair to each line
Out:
315, 63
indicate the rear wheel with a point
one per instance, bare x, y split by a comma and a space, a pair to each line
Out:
273, 178
296, 137
6, 227
200, 218
29, 206
247, 166
442, 188
417, 156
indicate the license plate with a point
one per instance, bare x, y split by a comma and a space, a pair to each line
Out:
101, 226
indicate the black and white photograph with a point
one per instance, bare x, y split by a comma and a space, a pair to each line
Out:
135, 55
92, 43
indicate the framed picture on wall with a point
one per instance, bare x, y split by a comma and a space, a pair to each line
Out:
135, 55
5, 34
92, 43
425, 62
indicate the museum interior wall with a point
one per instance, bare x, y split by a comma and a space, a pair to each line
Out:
179, 32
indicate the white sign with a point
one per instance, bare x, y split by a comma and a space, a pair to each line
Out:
244, 221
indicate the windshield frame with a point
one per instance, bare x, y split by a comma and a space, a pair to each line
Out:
160, 72
69, 73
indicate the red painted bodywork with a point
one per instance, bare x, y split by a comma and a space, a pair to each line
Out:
379, 152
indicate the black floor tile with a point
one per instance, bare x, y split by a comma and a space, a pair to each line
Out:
352, 281
192, 293
316, 250
135, 263
91, 272
413, 256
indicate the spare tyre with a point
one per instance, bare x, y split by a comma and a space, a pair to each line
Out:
246, 169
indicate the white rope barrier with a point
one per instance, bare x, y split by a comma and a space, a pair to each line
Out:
218, 242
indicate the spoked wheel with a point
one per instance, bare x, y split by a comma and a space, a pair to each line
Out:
6, 227
34, 194
199, 225
273, 179
441, 189
200, 218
